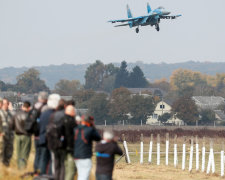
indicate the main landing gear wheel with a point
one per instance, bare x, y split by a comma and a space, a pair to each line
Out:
157, 27
137, 30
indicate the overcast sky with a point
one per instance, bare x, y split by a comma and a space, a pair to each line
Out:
43, 32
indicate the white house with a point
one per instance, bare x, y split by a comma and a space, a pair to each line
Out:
161, 108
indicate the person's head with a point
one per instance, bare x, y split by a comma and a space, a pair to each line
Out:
43, 97
1, 102
53, 101
62, 105
26, 106
70, 111
87, 120
5, 104
70, 102
78, 119
108, 135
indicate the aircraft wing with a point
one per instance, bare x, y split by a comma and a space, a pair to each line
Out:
170, 17
140, 18
122, 25
126, 20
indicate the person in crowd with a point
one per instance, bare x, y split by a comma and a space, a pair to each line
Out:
105, 154
1, 102
56, 139
78, 119
1, 132
53, 103
38, 109
69, 125
23, 138
7, 135
85, 134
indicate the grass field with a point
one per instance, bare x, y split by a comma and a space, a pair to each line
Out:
135, 170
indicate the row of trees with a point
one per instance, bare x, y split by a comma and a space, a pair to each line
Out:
120, 106
187, 82
101, 77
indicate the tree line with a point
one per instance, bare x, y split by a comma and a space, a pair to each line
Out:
106, 78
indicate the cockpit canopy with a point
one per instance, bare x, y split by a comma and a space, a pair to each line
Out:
160, 7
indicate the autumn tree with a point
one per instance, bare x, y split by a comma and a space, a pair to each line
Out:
30, 82
161, 84
99, 75
186, 110
98, 107
67, 87
119, 104
207, 117
140, 108
183, 81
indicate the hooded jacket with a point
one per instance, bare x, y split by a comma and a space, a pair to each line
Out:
105, 153
83, 138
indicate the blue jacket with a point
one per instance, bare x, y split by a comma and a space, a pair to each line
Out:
83, 138
44, 119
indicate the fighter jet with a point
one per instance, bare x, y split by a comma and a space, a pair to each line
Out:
152, 18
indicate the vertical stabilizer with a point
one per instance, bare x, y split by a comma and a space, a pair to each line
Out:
129, 14
149, 8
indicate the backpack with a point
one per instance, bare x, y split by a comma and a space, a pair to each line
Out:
54, 135
31, 124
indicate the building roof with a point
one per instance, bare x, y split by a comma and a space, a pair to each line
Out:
208, 102
220, 114
140, 90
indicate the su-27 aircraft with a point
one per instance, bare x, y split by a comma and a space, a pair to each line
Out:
153, 18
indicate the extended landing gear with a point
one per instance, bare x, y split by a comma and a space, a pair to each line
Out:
157, 27
137, 30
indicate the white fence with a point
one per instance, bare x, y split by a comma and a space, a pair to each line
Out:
211, 168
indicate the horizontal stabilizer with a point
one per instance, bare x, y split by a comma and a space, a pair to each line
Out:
121, 25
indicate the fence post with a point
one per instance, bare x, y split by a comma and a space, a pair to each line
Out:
184, 154
150, 150
191, 155
222, 160
158, 149
197, 153
167, 149
127, 157
211, 159
141, 150
175, 151
203, 155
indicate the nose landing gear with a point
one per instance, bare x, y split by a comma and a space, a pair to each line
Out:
137, 30
157, 27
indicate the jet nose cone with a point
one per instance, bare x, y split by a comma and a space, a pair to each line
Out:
166, 12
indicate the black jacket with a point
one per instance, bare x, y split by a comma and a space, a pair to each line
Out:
19, 121
69, 124
84, 136
105, 152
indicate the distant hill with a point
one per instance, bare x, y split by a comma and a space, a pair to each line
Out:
53, 73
